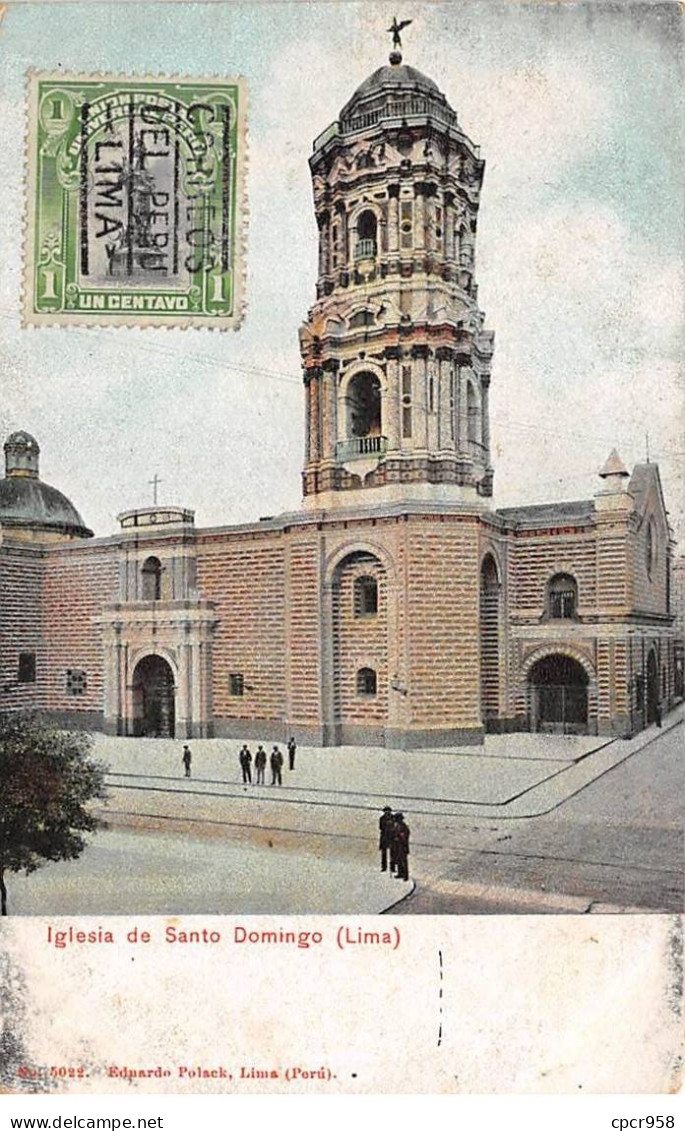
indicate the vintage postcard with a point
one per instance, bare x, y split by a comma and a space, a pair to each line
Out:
342, 656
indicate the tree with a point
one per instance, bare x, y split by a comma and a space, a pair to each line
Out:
46, 782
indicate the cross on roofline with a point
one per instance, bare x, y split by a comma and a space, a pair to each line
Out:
154, 483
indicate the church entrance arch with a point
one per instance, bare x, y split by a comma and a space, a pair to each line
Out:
559, 695
153, 698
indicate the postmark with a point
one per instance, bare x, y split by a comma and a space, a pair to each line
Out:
135, 201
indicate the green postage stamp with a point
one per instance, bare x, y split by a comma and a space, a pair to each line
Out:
135, 206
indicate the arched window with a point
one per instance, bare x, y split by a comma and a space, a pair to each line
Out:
367, 682
562, 597
364, 406
367, 228
362, 318
365, 596
152, 579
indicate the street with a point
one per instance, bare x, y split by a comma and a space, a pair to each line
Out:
616, 844
526, 824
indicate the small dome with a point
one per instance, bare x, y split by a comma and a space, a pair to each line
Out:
21, 454
29, 504
23, 440
29, 507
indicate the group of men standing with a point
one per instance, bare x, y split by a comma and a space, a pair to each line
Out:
275, 762
394, 843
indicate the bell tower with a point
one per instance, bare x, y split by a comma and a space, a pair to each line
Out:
395, 357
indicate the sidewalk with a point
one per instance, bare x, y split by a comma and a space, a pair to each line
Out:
513, 776
489, 898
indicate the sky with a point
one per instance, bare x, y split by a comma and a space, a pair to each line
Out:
578, 110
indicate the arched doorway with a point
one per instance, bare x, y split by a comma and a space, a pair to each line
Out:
153, 698
559, 695
652, 687
489, 642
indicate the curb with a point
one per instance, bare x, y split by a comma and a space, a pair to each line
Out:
532, 901
403, 898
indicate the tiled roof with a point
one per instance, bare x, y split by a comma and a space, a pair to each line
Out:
549, 514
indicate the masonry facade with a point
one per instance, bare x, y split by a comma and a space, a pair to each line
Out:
396, 607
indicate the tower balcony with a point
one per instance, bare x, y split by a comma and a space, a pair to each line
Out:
364, 249
361, 447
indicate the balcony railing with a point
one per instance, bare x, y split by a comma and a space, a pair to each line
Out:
400, 109
365, 249
358, 447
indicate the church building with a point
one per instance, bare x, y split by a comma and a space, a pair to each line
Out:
396, 607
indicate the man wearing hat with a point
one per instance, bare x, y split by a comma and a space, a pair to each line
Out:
401, 845
276, 760
246, 763
260, 764
386, 826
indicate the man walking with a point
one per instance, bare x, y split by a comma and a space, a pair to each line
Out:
276, 766
260, 765
386, 826
401, 841
292, 747
246, 763
187, 759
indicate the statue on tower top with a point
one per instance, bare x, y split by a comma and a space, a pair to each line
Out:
394, 30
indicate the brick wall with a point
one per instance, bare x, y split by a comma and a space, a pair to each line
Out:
613, 567
360, 642
77, 585
244, 575
21, 575
649, 589
303, 632
442, 600
535, 557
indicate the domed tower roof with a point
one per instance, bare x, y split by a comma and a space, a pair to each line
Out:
396, 90
397, 75
29, 508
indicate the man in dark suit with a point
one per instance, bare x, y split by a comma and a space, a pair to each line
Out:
276, 766
292, 747
386, 828
260, 764
246, 763
401, 843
